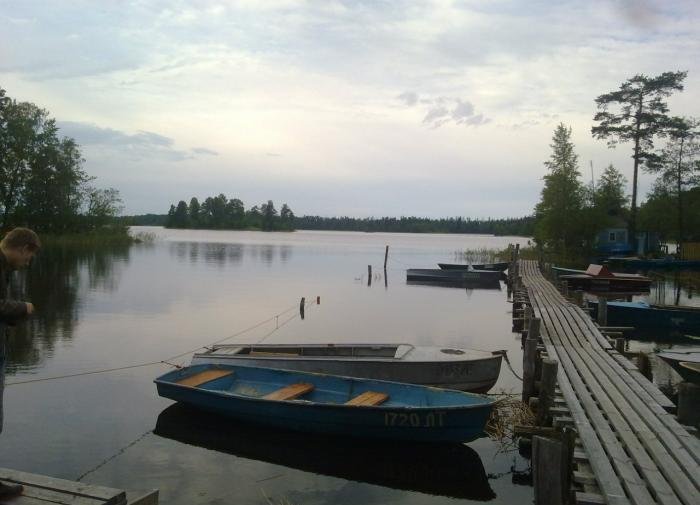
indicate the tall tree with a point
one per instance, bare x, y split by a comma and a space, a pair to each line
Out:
641, 115
195, 211
559, 211
678, 164
609, 195
269, 214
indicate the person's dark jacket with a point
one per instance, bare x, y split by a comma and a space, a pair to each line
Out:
11, 311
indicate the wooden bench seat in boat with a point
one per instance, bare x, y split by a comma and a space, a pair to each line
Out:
290, 392
202, 377
368, 398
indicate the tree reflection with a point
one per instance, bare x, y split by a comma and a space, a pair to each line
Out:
54, 283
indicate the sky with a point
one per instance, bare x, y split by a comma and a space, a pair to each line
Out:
361, 108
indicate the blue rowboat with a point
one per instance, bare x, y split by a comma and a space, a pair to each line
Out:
330, 404
644, 315
499, 266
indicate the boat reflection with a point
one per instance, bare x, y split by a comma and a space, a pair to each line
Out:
453, 470
468, 285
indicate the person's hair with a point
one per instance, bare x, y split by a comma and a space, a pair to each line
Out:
21, 237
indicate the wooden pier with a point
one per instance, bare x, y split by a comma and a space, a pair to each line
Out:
40, 490
614, 436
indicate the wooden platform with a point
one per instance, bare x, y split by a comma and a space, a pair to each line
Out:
42, 490
638, 453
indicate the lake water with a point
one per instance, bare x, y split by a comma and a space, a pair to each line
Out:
148, 302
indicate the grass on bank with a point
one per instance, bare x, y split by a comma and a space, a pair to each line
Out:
108, 236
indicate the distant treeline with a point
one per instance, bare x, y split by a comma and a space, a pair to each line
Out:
220, 213
523, 226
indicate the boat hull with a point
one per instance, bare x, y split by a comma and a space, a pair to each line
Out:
499, 267
241, 398
473, 375
453, 276
613, 284
642, 315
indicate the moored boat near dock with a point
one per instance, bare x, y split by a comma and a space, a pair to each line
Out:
330, 404
644, 316
453, 368
685, 361
453, 276
654, 263
600, 278
499, 266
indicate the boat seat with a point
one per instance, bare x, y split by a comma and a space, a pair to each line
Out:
368, 398
290, 392
202, 377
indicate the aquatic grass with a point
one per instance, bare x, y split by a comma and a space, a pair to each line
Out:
117, 236
507, 413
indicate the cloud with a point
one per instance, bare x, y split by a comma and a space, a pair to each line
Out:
136, 146
409, 98
444, 109
205, 151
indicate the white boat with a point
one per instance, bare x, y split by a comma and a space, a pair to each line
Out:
463, 369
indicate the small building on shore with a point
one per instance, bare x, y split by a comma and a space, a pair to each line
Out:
614, 240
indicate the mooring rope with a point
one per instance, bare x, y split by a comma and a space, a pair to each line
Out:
167, 361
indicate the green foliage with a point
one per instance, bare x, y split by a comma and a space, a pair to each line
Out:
678, 170
220, 213
522, 226
563, 223
660, 212
641, 115
42, 181
609, 195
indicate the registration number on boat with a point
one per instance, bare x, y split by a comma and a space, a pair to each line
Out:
415, 420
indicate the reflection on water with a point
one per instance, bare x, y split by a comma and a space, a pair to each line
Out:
55, 284
453, 470
100, 309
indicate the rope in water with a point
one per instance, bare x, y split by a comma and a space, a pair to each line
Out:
172, 358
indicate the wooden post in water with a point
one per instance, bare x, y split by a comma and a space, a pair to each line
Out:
533, 329
620, 345
602, 311
386, 256
301, 307
578, 297
529, 357
689, 404
644, 365
369, 275
552, 468
547, 385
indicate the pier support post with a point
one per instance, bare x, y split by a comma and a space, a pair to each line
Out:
386, 256
644, 365
602, 311
565, 289
552, 469
620, 345
529, 357
302, 303
369, 275
547, 385
533, 329
689, 404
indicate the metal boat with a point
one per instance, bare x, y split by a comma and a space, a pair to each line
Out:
500, 266
463, 369
645, 315
684, 360
330, 404
453, 276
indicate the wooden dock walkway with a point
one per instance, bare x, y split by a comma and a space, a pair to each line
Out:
43, 490
631, 450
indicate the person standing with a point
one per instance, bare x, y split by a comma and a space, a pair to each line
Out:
17, 249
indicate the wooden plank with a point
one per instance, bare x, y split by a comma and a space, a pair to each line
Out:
627, 425
203, 377
109, 496
604, 452
290, 392
368, 398
592, 352
54, 497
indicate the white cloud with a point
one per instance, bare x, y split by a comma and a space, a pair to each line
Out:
286, 97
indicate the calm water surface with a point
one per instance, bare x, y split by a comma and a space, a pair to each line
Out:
119, 307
